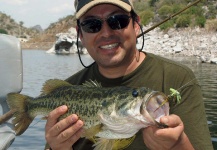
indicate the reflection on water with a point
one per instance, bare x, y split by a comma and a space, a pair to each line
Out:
207, 77
39, 67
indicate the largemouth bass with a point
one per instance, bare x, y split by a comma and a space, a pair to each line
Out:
109, 113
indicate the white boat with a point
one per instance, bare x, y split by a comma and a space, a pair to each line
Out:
11, 80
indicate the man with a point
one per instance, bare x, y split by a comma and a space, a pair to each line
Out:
108, 29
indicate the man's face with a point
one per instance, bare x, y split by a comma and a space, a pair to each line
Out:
108, 47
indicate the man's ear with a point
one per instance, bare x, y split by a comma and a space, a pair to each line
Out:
137, 26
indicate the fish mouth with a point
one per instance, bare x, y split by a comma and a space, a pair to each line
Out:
154, 109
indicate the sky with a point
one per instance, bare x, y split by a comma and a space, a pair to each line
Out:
37, 12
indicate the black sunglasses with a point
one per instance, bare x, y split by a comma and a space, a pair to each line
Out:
115, 22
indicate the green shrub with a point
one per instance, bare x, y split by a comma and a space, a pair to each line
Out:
195, 10
3, 31
177, 7
152, 2
167, 25
200, 21
146, 16
165, 11
141, 6
183, 21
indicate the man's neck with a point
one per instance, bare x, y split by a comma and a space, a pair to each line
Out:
115, 72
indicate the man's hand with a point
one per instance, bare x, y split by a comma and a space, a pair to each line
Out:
169, 138
62, 134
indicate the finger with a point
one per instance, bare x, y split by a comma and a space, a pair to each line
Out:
175, 129
171, 121
54, 115
72, 134
63, 140
68, 142
63, 124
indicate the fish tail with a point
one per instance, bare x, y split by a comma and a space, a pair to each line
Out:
6, 116
19, 104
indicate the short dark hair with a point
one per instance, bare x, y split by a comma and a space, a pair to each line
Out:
134, 16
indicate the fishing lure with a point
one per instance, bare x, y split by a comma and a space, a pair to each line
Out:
174, 95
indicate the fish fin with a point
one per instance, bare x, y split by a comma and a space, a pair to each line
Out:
18, 103
91, 83
89, 133
104, 144
53, 84
120, 144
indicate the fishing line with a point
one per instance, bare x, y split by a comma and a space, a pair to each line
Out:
171, 94
143, 37
79, 55
186, 84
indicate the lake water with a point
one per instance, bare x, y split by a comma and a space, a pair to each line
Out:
39, 66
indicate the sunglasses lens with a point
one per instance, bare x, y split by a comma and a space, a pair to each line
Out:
91, 25
117, 22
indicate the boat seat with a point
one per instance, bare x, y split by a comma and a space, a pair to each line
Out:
11, 80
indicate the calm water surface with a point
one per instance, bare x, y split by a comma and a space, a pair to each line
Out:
39, 66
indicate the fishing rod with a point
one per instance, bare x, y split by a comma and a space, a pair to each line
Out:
170, 17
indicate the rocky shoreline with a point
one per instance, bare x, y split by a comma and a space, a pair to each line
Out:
37, 45
186, 42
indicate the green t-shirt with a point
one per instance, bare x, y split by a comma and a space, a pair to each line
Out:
159, 74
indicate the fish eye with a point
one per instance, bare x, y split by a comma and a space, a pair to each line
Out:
135, 93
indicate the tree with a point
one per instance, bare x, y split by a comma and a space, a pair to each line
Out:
20, 29
21, 23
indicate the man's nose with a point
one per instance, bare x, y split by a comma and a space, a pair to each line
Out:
106, 29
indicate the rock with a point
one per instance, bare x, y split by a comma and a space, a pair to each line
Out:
187, 42
213, 61
214, 39
166, 36
177, 48
66, 43
204, 59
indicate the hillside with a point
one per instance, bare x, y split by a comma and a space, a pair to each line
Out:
9, 26
47, 38
62, 25
154, 11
